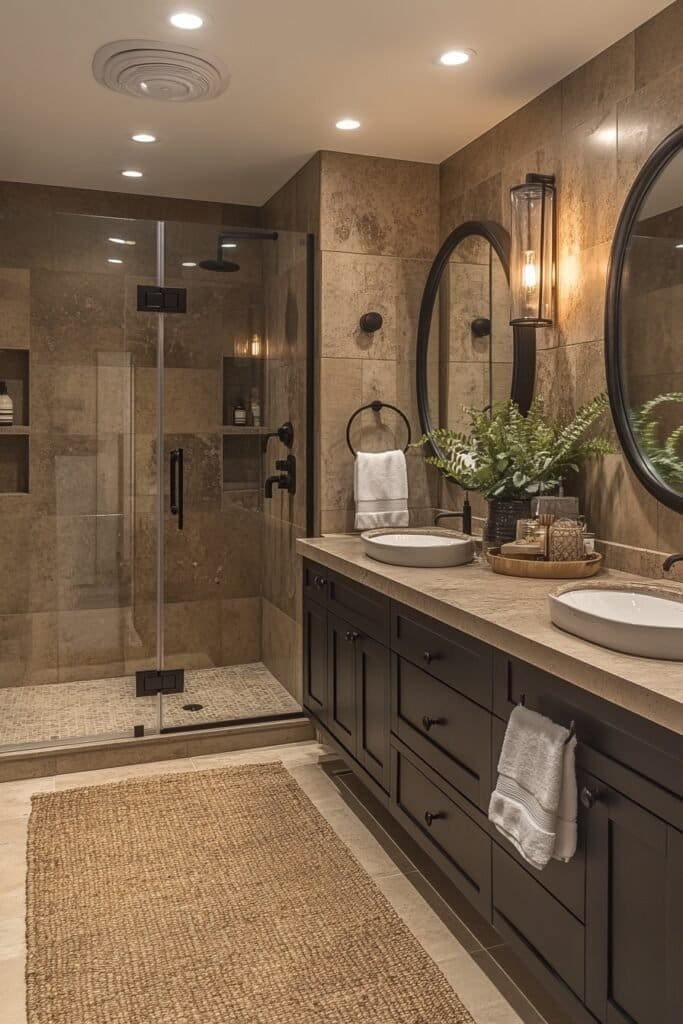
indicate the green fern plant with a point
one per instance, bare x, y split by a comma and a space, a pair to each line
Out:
508, 455
665, 457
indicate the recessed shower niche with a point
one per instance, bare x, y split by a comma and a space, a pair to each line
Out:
14, 441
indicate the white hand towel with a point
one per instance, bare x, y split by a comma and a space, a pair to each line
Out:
536, 784
381, 489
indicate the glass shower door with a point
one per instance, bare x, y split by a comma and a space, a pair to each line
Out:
218, 410
77, 479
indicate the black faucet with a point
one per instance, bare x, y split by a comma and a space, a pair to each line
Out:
671, 561
285, 478
465, 514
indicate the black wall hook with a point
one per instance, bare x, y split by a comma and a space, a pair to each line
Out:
371, 322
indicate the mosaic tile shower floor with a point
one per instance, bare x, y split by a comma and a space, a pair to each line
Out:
109, 707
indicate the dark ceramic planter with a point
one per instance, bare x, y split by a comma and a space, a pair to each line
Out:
501, 524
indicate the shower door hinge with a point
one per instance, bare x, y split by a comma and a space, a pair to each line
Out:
150, 682
153, 299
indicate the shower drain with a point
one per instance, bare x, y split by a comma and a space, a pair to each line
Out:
192, 707
151, 71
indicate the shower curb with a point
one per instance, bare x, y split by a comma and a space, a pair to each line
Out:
45, 761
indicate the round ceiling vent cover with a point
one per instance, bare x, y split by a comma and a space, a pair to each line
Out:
152, 71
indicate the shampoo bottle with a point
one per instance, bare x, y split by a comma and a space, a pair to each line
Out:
6, 406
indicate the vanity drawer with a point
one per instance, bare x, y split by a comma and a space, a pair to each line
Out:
535, 917
448, 731
315, 582
459, 660
451, 838
566, 882
367, 610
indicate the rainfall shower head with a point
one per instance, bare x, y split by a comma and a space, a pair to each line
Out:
219, 266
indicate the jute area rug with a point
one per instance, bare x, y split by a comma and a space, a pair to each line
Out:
217, 897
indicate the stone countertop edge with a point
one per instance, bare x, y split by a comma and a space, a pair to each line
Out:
512, 615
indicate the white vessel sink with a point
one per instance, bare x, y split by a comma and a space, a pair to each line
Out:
420, 548
642, 619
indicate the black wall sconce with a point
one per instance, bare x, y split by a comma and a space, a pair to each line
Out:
371, 322
532, 253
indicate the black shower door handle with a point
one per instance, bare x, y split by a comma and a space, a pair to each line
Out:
177, 485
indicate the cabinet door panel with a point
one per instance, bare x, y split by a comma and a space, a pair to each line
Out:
634, 883
373, 689
315, 660
341, 676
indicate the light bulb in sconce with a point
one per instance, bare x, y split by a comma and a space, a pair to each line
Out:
532, 251
240, 348
529, 270
255, 347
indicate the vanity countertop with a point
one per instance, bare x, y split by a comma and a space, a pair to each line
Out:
512, 615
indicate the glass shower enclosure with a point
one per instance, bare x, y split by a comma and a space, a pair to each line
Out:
155, 477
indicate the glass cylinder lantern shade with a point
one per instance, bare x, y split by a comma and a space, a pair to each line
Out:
532, 269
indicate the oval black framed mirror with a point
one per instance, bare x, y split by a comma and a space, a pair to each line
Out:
467, 352
644, 324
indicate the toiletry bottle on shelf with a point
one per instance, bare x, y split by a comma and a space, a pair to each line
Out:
255, 407
6, 406
239, 414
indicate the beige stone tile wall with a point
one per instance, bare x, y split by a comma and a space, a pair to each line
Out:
378, 236
593, 130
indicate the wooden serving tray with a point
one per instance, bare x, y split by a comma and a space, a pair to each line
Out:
531, 569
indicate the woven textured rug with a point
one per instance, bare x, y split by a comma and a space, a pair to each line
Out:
217, 897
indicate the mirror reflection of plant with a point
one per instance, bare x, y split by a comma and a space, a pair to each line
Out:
508, 455
666, 457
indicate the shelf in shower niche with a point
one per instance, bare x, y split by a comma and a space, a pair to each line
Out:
14, 431
244, 431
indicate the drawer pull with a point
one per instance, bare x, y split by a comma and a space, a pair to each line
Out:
351, 636
429, 657
429, 817
588, 797
319, 581
428, 722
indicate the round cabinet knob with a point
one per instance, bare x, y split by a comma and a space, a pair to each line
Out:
587, 797
351, 636
319, 581
428, 657
429, 817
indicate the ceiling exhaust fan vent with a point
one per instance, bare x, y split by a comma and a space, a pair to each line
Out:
151, 71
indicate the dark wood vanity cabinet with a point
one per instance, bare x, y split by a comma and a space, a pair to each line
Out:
418, 710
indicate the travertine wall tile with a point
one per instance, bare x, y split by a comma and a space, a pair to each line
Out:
658, 44
594, 88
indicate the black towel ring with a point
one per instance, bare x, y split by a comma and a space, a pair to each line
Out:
572, 727
376, 406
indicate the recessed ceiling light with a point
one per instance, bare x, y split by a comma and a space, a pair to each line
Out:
228, 245
451, 58
186, 20
121, 241
132, 174
113, 260
143, 137
188, 263
347, 124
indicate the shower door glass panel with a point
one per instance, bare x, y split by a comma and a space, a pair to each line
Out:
78, 537
231, 376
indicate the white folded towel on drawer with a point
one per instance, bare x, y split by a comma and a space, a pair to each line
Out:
534, 804
381, 489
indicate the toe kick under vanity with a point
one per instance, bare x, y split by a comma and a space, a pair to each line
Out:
411, 674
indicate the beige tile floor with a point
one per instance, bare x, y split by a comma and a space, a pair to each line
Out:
460, 961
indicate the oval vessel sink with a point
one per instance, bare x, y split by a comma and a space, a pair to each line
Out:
641, 619
420, 548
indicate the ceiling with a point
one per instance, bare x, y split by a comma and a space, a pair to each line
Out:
296, 66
